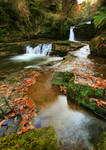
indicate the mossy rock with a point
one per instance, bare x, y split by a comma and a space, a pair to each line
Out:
61, 48
98, 45
41, 139
102, 142
61, 78
81, 94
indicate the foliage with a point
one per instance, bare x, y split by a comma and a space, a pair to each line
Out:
42, 139
41, 17
98, 45
100, 19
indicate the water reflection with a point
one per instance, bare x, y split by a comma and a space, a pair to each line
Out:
75, 127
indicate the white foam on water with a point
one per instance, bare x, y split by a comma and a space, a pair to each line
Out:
32, 53
82, 52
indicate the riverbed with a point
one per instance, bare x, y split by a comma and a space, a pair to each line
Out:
76, 127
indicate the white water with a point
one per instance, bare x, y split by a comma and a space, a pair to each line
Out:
40, 50
32, 53
89, 22
83, 52
71, 36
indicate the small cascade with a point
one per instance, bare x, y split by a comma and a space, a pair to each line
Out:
89, 22
40, 50
72, 37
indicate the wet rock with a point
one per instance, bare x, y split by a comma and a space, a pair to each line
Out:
82, 95
61, 48
10, 126
84, 32
43, 138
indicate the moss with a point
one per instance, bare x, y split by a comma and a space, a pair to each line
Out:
102, 142
41, 139
81, 93
61, 78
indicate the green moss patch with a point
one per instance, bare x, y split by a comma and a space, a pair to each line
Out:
81, 95
61, 78
41, 139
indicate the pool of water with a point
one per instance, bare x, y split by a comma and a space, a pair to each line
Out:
77, 128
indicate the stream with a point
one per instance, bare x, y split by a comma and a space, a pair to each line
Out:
77, 128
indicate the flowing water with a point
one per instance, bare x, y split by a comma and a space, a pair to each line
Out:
33, 58
71, 36
77, 128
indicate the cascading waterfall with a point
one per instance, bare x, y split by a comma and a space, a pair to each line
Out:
71, 36
40, 50
31, 53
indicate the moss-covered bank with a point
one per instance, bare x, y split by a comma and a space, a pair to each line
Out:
41, 139
83, 95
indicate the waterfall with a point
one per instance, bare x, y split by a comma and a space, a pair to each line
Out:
32, 53
71, 37
40, 50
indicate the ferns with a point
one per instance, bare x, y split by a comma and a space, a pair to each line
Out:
100, 20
